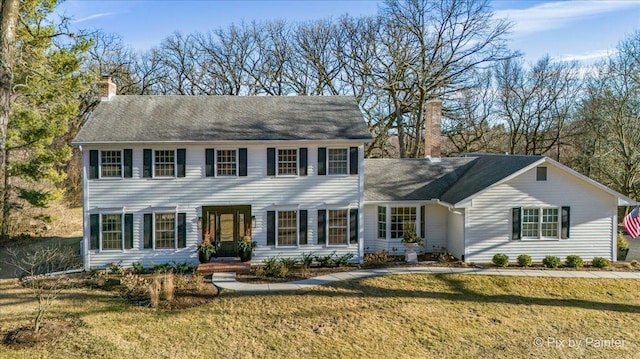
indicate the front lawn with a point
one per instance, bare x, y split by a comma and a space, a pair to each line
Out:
415, 315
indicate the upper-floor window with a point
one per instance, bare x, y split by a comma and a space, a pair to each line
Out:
338, 161
110, 164
287, 161
164, 163
226, 162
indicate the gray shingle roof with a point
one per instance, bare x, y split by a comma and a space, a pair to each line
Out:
224, 118
411, 179
450, 180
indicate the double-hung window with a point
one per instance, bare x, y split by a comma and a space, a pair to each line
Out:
401, 218
536, 223
111, 231
165, 230
338, 161
164, 163
337, 226
287, 162
226, 163
111, 164
287, 228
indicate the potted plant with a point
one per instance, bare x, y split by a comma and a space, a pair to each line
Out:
245, 248
410, 240
205, 250
623, 247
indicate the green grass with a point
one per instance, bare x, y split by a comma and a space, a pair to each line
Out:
416, 315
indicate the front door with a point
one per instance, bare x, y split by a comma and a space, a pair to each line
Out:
225, 225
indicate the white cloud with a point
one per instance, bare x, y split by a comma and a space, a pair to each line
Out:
585, 56
558, 14
92, 17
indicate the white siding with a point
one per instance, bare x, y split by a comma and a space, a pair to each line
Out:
455, 225
592, 216
435, 228
139, 195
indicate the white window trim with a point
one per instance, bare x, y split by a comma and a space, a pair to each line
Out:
386, 225
285, 209
153, 230
153, 164
348, 162
278, 161
121, 165
388, 220
215, 162
540, 237
100, 214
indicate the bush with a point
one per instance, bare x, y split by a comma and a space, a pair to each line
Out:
343, 260
551, 262
574, 261
600, 262
180, 268
524, 260
138, 268
269, 264
161, 268
376, 258
328, 260
623, 243
289, 263
307, 259
500, 260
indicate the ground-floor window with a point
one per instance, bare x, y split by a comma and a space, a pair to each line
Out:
540, 222
111, 231
337, 225
401, 218
165, 230
287, 228
382, 222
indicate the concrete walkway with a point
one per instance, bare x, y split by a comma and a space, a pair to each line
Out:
228, 280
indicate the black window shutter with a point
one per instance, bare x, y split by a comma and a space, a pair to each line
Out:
322, 225
423, 221
128, 230
210, 165
353, 160
182, 230
271, 228
128, 163
516, 229
566, 222
242, 159
302, 171
353, 226
93, 164
303, 226
182, 159
146, 166
322, 161
271, 161
148, 230
94, 231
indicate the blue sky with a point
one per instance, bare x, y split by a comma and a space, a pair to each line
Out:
581, 30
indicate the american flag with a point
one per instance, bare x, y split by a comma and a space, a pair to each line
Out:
632, 222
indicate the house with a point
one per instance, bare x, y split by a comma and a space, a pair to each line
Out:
163, 172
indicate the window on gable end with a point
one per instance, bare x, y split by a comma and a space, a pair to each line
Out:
541, 173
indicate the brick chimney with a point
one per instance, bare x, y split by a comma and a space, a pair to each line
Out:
432, 129
106, 88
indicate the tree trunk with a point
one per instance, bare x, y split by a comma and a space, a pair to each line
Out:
9, 11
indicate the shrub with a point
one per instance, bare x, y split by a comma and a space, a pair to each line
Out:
500, 260
623, 243
441, 254
115, 268
259, 271
281, 271
307, 259
343, 260
168, 287
524, 260
135, 286
379, 257
574, 261
180, 268
269, 264
161, 268
600, 262
196, 281
154, 292
551, 262
634, 263
287, 262
328, 260
138, 268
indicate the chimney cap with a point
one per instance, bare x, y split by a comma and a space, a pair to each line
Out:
105, 76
